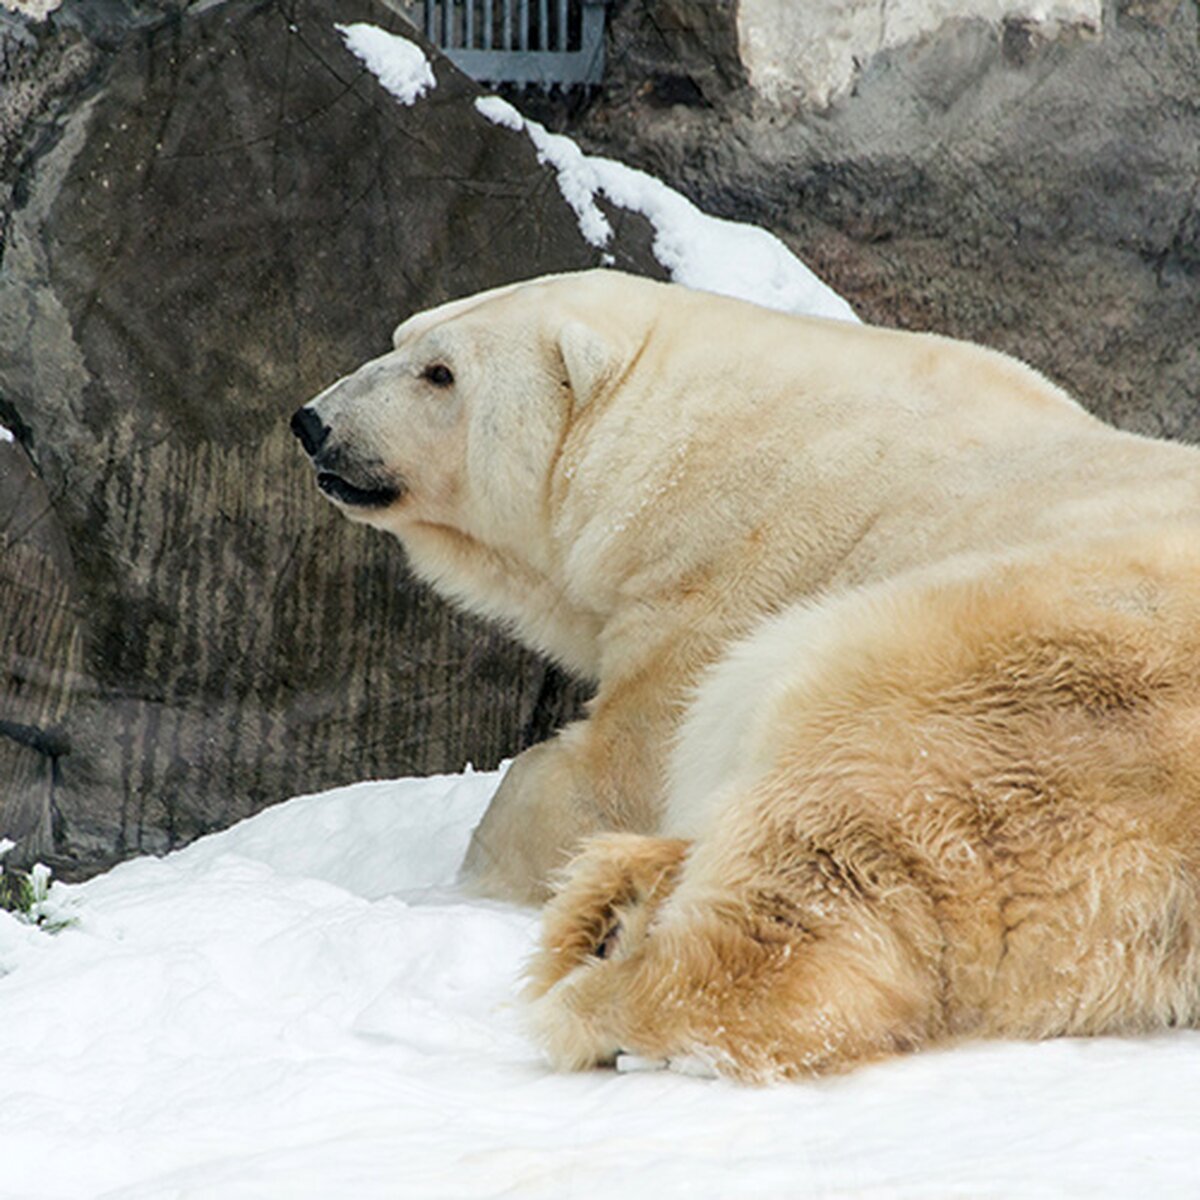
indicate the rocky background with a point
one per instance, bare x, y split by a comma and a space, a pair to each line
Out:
209, 211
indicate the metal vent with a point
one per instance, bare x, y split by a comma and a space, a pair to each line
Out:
543, 42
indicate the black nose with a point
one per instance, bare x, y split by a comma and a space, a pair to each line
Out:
310, 429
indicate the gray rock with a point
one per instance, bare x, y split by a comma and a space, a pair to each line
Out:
212, 215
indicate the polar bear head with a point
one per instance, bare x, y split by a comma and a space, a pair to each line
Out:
457, 425
449, 441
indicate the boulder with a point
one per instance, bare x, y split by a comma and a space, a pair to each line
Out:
210, 214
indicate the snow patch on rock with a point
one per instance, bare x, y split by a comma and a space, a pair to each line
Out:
699, 250
400, 65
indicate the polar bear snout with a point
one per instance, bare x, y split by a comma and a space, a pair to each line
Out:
310, 429
343, 476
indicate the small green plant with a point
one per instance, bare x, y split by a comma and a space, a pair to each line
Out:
17, 892
26, 894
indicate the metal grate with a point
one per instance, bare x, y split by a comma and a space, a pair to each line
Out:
521, 41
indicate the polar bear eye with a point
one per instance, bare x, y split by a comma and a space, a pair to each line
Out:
608, 943
439, 375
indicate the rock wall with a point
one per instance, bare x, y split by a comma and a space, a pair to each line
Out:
213, 215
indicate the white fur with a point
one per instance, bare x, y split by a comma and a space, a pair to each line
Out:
632, 476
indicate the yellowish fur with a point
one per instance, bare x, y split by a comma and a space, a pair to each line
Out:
977, 813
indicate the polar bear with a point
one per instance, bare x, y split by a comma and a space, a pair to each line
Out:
896, 735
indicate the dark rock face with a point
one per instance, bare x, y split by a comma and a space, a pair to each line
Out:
211, 216
1038, 195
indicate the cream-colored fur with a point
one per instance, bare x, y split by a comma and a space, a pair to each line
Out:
897, 731
968, 804
635, 478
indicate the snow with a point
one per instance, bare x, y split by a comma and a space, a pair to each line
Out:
6, 435
399, 65
699, 250
305, 1006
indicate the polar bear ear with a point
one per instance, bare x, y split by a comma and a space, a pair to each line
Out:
588, 358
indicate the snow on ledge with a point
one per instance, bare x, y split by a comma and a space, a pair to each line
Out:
6, 435
399, 65
700, 251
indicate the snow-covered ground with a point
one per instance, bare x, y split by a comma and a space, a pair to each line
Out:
303, 1006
